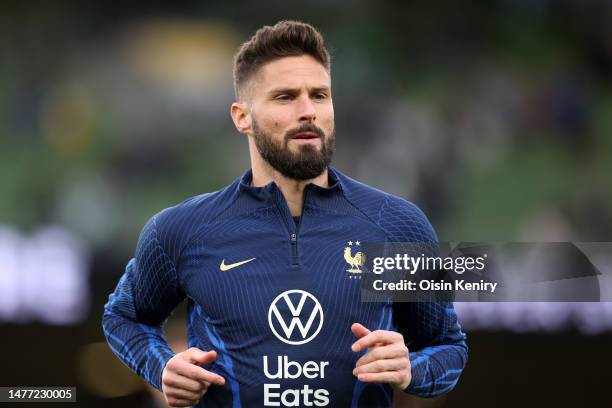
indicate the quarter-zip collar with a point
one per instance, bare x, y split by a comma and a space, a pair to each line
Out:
271, 193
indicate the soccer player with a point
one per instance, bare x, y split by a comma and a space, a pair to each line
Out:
269, 264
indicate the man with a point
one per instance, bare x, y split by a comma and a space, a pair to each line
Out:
275, 317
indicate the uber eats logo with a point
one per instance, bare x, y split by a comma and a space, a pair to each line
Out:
295, 317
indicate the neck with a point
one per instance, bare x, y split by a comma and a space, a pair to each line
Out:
293, 190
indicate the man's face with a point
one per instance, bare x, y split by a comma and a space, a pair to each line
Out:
293, 116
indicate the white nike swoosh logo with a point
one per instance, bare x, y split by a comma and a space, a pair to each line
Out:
225, 267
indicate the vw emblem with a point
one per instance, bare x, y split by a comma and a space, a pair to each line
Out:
285, 315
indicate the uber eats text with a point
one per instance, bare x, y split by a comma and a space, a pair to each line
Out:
285, 369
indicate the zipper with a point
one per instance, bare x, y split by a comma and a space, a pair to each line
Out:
294, 248
288, 220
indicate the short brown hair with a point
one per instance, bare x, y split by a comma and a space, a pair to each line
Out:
284, 39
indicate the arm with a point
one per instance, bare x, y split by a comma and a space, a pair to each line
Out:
438, 351
146, 294
429, 330
424, 357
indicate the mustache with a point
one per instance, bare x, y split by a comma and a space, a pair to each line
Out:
306, 127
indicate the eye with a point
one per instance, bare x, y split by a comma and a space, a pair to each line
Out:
320, 96
283, 98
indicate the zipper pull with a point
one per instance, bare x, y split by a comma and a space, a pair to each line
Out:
293, 237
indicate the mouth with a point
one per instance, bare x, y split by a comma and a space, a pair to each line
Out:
306, 136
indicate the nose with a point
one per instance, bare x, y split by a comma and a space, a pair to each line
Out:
306, 110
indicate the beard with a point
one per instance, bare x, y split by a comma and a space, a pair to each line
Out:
306, 163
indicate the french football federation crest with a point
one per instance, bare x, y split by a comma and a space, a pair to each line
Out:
354, 261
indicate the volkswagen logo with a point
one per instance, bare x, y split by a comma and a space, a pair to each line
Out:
285, 315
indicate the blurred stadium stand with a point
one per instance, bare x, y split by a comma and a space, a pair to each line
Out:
495, 117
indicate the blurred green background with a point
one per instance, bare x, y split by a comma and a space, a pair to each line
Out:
495, 117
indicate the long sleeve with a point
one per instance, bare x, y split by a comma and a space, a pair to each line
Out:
145, 296
437, 346
438, 351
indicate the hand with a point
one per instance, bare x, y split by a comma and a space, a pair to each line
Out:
184, 382
386, 359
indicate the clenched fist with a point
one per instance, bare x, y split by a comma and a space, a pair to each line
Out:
184, 382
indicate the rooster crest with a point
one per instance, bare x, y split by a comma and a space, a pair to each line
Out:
355, 261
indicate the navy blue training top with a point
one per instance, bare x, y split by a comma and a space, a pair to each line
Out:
275, 299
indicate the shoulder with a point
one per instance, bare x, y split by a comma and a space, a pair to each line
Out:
401, 219
172, 227
404, 221
195, 210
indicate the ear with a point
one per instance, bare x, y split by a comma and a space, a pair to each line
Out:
241, 117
